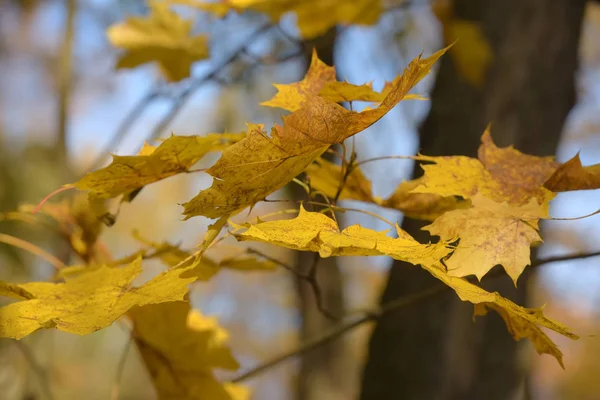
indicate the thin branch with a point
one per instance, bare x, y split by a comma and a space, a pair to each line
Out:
391, 306
540, 261
116, 388
368, 160
196, 83
310, 278
251, 250
125, 126
64, 81
32, 248
37, 369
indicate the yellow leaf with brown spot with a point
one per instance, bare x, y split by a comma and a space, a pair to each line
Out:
88, 302
175, 155
490, 234
260, 164
292, 96
572, 175
521, 322
162, 37
522, 174
313, 231
181, 348
503, 175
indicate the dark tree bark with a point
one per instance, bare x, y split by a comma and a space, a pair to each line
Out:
434, 350
322, 370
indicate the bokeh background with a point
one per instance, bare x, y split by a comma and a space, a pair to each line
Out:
52, 132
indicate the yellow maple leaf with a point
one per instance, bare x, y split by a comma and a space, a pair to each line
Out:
87, 303
521, 322
472, 55
181, 347
503, 175
175, 155
490, 234
163, 37
572, 175
522, 174
259, 164
314, 17
313, 231
326, 177
292, 96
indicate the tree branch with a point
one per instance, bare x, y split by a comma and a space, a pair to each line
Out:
37, 369
369, 316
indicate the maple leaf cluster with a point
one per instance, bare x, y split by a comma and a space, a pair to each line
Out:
485, 210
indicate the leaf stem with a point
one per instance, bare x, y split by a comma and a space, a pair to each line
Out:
31, 248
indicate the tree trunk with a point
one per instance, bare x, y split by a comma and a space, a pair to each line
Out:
434, 350
321, 373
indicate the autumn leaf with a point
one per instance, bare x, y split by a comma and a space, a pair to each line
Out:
314, 17
503, 175
572, 175
259, 164
292, 96
313, 231
175, 155
521, 322
490, 234
181, 348
87, 303
472, 54
326, 177
522, 174
162, 37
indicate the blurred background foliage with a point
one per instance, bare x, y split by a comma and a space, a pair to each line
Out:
263, 312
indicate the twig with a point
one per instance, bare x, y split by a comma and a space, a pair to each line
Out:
196, 83
539, 261
37, 369
116, 388
391, 306
310, 278
64, 81
32, 248
125, 126
251, 250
